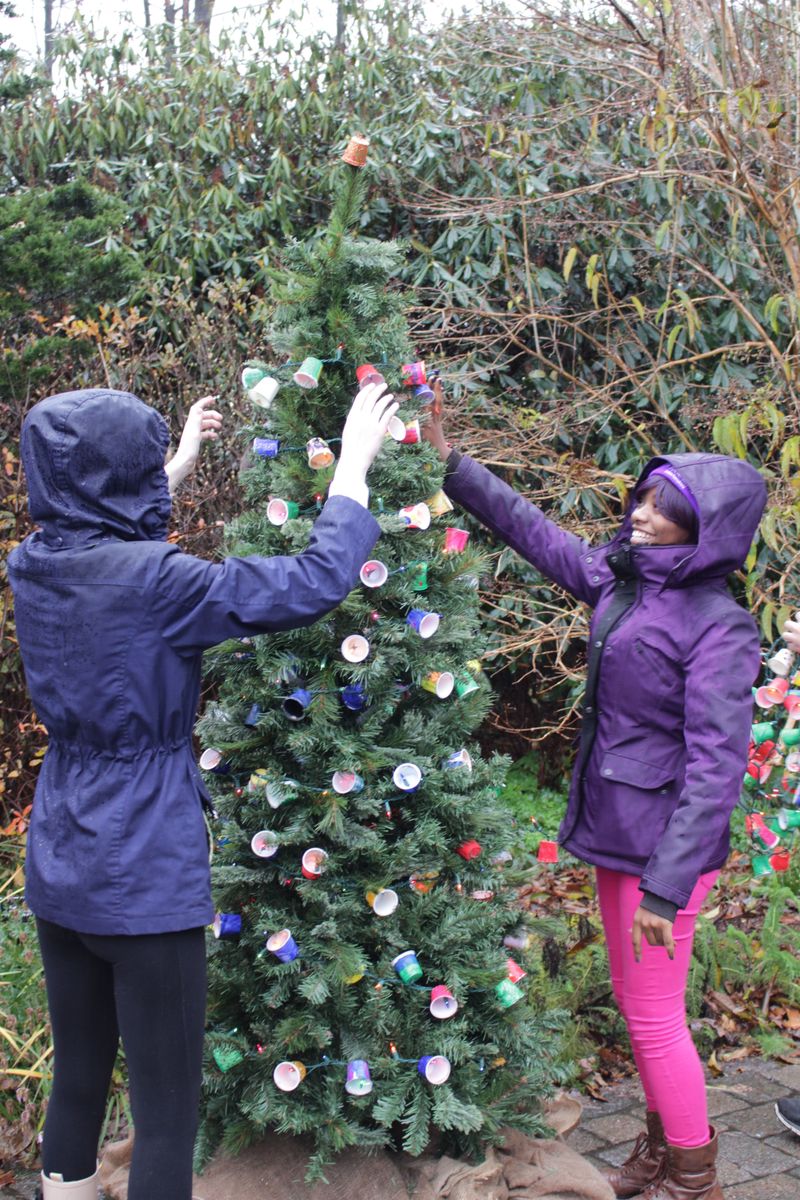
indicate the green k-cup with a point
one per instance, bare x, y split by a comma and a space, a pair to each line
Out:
280, 511
465, 686
308, 373
508, 993
419, 580
761, 864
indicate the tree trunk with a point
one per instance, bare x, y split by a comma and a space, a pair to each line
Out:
202, 14
169, 21
341, 16
48, 38
147, 14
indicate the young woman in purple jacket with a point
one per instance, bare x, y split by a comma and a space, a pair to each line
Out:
664, 738
112, 621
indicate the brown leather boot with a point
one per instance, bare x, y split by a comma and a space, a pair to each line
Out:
691, 1174
644, 1164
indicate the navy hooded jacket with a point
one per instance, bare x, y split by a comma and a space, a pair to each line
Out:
672, 659
112, 622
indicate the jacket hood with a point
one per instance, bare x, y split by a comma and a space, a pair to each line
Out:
94, 462
730, 496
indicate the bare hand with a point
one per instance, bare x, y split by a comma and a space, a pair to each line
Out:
432, 429
366, 426
202, 424
791, 633
657, 931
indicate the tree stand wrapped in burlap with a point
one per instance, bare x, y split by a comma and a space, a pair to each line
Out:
522, 1168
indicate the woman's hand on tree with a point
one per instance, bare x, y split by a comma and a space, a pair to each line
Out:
433, 429
657, 931
791, 633
202, 424
365, 428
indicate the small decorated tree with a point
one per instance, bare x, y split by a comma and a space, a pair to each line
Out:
360, 987
771, 794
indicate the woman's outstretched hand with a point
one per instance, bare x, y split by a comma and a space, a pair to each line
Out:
791, 633
433, 429
202, 424
657, 931
365, 428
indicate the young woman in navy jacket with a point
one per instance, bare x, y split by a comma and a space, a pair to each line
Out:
112, 623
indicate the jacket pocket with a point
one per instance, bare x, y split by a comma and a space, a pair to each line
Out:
619, 768
658, 669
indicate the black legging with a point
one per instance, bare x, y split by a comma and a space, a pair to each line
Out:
151, 990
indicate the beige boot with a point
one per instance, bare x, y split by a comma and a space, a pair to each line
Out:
54, 1187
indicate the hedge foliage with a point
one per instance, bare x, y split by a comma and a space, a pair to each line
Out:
601, 227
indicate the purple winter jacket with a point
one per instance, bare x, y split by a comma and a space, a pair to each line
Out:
672, 659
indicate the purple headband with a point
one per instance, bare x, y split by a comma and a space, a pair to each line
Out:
672, 476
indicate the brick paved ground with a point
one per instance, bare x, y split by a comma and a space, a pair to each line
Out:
759, 1157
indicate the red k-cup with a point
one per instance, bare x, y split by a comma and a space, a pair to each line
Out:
412, 434
514, 971
547, 852
469, 849
781, 861
443, 1003
314, 862
413, 374
374, 573
455, 540
264, 844
776, 689
367, 373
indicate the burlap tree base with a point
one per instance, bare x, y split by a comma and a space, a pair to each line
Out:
523, 1169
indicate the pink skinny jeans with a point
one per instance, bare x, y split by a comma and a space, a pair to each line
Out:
651, 997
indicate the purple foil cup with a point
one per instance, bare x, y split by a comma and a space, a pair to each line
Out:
459, 758
227, 925
283, 946
266, 447
212, 760
354, 697
435, 1068
407, 777
358, 1081
295, 706
425, 623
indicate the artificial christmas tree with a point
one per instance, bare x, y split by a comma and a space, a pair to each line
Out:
360, 987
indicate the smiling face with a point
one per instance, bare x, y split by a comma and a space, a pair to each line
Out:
651, 527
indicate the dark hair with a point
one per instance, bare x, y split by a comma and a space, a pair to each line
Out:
669, 502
